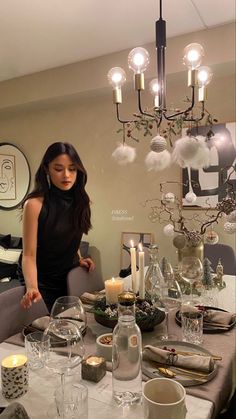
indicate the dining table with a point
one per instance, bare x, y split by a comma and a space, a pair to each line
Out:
203, 401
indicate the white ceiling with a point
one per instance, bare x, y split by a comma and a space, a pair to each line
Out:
36, 35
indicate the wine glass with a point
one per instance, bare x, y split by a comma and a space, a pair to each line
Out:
167, 296
66, 347
191, 269
71, 308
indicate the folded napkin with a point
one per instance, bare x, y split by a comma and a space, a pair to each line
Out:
41, 323
90, 298
14, 411
195, 362
215, 316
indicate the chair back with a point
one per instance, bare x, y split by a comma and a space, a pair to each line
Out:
79, 280
13, 317
223, 252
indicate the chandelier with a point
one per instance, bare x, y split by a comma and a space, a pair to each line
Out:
198, 78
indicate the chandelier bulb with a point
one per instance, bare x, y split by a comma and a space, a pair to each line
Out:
193, 54
116, 77
204, 76
138, 60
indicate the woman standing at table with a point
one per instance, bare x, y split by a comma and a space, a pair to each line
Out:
55, 216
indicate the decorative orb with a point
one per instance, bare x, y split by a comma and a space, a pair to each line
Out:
230, 228
188, 148
168, 230
124, 154
211, 237
168, 198
190, 197
231, 217
158, 144
158, 161
179, 241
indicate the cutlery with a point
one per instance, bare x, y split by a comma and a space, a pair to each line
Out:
173, 371
215, 357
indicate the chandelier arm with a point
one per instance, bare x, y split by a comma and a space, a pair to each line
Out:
140, 107
129, 121
186, 111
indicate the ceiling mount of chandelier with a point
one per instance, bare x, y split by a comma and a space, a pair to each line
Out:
138, 61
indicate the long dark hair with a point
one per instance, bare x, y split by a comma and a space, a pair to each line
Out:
82, 213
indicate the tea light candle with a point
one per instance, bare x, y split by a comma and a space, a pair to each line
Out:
93, 368
141, 273
15, 376
113, 288
133, 266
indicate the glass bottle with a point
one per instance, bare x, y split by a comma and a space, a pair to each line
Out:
126, 353
153, 276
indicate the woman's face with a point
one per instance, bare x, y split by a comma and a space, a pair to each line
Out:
62, 172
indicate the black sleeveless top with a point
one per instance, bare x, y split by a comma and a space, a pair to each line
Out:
57, 241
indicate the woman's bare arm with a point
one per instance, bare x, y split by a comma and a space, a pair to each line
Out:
31, 212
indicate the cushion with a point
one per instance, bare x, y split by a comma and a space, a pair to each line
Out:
7, 270
5, 241
9, 255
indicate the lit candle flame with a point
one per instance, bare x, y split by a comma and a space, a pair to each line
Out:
140, 247
131, 243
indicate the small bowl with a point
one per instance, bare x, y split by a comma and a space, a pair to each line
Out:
104, 349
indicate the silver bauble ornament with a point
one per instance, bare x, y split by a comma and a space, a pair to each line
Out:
158, 144
231, 217
168, 230
179, 241
168, 198
230, 228
212, 237
190, 197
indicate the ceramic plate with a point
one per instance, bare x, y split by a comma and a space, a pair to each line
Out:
207, 327
149, 368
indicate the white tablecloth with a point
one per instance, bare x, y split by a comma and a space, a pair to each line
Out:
38, 400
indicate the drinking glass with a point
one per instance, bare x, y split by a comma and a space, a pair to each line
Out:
66, 349
167, 296
71, 308
191, 269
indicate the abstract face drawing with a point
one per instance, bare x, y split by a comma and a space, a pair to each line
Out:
7, 177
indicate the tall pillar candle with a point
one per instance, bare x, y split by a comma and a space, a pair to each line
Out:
113, 288
141, 272
133, 267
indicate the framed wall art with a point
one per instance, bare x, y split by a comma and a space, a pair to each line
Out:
14, 176
209, 184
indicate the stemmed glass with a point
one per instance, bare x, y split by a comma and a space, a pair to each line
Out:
66, 349
167, 296
191, 269
71, 308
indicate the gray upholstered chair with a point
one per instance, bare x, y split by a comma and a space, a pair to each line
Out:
79, 280
13, 316
223, 252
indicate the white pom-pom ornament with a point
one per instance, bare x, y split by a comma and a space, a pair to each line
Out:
168, 230
192, 152
158, 161
190, 197
158, 144
124, 154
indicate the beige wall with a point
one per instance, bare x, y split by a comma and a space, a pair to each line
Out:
35, 112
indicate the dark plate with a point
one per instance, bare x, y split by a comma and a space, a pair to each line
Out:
207, 328
145, 324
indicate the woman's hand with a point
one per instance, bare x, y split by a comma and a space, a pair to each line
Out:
32, 295
87, 263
